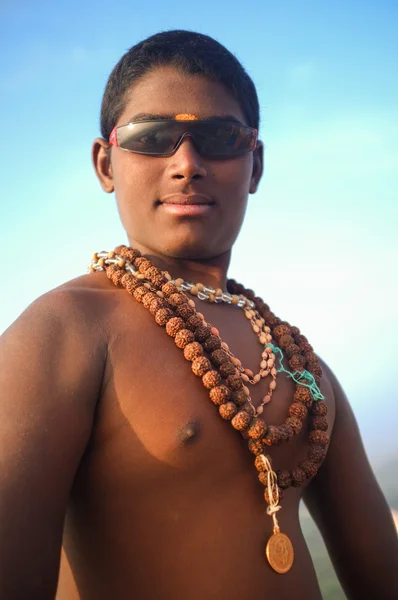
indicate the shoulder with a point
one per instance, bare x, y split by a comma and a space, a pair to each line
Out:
93, 309
81, 302
79, 309
327, 388
330, 382
87, 290
343, 427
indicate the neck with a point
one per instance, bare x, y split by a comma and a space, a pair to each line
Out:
211, 271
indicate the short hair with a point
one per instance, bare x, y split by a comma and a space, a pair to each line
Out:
191, 53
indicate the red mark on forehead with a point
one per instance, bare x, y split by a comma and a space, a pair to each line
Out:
185, 117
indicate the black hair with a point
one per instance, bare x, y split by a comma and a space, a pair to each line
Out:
187, 51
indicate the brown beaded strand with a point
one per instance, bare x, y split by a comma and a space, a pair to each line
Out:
174, 311
209, 294
297, 414
241, 422
300, 354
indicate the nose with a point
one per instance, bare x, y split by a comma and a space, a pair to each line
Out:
186, 162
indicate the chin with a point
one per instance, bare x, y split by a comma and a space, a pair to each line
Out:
192, 250
182, 247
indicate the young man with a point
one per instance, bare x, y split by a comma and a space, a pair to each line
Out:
110, 445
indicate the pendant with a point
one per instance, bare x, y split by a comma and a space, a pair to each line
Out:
280, 552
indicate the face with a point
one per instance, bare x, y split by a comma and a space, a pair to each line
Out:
149, 189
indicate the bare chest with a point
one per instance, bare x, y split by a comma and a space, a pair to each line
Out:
155, 414
163, 464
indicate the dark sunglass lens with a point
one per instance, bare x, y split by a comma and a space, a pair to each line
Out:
217, 138
151, 138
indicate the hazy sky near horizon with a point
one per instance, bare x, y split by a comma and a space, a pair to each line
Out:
320, 238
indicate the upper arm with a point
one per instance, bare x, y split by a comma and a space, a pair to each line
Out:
50, 373
351, 512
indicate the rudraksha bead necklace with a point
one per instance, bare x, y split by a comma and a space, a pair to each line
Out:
263, 332
173, 310
210, 294
267, 364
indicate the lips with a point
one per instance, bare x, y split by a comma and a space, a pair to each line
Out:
187, 200
187, 205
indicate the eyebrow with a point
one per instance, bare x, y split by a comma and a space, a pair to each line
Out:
168, 117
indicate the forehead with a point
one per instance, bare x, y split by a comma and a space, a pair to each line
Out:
167, 91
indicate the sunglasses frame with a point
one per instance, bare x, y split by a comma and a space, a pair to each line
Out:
113, 141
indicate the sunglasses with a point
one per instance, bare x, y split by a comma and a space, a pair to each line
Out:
218, 139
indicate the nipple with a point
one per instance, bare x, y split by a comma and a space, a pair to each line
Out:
189, 432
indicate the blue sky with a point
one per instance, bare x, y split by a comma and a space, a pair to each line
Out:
319, 242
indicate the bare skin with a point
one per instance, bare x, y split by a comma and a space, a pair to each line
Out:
179, 487
105, 429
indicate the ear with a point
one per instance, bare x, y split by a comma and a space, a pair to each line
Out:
258, 158
101, 157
